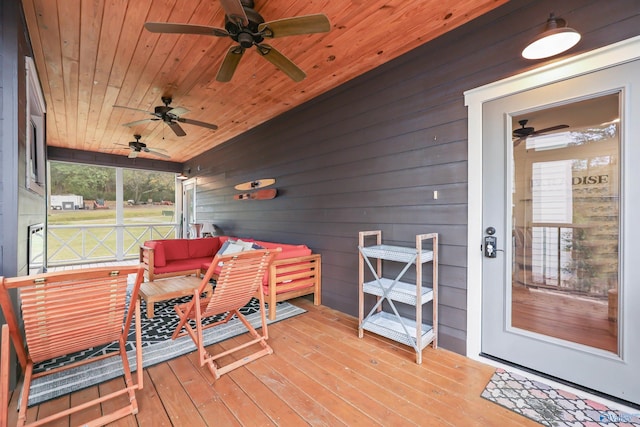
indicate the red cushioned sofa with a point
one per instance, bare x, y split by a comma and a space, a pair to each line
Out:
295, 271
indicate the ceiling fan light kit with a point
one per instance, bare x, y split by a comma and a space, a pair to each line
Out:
556, 38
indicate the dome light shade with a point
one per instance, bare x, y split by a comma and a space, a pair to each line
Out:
556, 38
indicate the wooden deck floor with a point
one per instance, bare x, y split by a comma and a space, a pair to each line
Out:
321, 373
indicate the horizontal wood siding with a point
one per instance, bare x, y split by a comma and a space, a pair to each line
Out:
369, 154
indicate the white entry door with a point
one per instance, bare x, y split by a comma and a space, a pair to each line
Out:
188, 208
561, 276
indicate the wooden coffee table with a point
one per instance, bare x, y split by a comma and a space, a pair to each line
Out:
169, 288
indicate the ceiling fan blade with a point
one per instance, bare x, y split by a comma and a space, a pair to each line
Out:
272, 55
178, 111
549, 129
134, 109
234, 11
230, 63
197, 123
175, 127
158, 154
138, 122
308, 24
133, 154
170, 28
131, 108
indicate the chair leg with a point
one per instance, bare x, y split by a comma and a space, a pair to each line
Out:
24, 395
272, 305
4, 376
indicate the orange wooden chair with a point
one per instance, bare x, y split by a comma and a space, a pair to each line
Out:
4, 376
69, 311
237, 281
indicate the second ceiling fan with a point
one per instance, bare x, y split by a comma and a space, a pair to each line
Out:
169, 115
524, 131
248, 28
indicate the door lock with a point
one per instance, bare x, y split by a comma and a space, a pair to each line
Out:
490, 243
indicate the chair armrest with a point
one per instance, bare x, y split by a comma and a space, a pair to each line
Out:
147, 258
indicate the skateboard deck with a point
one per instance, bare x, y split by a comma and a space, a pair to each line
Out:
265, 194
254, 185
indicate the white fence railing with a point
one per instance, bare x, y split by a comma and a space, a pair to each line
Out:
84, 244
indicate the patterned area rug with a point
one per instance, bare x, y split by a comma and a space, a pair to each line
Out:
551, 406
157, 347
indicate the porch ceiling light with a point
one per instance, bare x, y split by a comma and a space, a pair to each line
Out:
184, 174
556, 38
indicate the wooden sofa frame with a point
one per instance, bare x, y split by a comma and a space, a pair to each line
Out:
287, 274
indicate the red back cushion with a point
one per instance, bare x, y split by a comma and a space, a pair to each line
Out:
200, 248
176, 249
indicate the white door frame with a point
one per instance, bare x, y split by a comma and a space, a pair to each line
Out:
605, 57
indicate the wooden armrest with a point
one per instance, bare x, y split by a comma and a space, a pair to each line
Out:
294, 277
147, 258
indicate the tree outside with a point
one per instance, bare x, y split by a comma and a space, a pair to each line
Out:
99, 183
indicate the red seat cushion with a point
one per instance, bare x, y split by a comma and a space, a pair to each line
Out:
182, 265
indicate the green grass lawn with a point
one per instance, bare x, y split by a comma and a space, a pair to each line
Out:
132, 214
75, 244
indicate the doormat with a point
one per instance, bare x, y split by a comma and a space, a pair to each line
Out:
550, 406
157, 347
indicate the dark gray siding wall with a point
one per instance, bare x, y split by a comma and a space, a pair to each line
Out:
369, 154
19, 207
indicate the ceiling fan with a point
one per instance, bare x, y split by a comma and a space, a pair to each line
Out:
138, 147
248, 28
524, 132
169, 115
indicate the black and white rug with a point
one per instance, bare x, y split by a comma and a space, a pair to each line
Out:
551, 406
157, 347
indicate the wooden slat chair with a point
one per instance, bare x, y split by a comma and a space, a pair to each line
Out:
4, 376
69, 311
238, 280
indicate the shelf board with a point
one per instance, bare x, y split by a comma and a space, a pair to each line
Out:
396, 253
388, 325
402, 291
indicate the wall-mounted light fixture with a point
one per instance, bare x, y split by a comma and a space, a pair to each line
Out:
211, 230
184, 174
555, 39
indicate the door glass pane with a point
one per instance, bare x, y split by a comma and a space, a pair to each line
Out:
565, 215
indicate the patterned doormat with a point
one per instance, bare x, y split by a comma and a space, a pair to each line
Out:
550, 406
157, 347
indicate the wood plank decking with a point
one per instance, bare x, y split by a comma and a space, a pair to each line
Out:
321, 373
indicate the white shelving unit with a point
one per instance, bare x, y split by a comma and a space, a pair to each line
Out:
412, 332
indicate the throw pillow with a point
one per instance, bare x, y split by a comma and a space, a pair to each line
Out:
230, 247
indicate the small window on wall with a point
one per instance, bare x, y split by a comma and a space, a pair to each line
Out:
35, 143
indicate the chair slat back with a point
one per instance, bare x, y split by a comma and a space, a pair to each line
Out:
239, 279
71, 311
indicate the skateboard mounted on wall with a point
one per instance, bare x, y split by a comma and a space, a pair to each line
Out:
264, 194
254, 185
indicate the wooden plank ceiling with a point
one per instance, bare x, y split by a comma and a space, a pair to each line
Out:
93, 54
